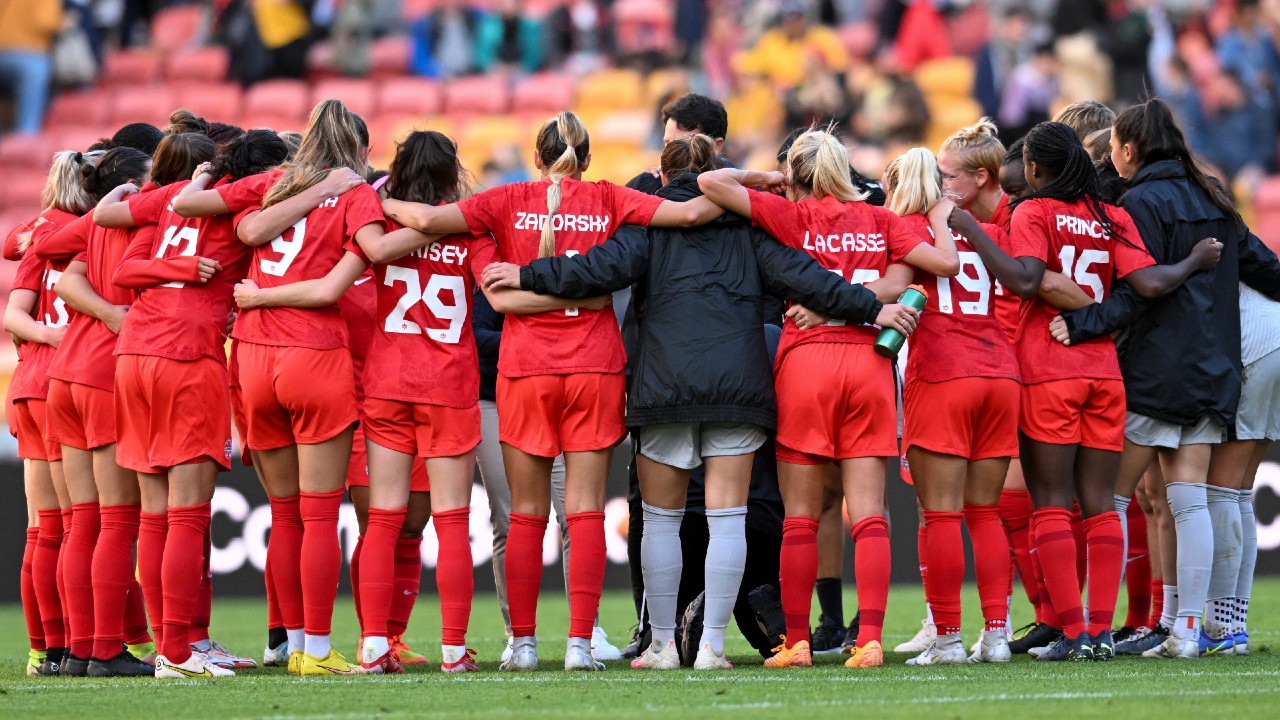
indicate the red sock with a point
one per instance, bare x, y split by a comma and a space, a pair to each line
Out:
27, 591
203, 609
136, 628
1157, 602
62, 576
586, 571
946, 570
1137, 571
112, 576
1015, 514
377, 569
1082, 554
1056, 547
273, 606
1106, 561
182, 570
353, 572
321, 560
990, 548
151, 537
78, 580
524, 571
799, 574
408, 581
454, 573
1044, 610
44, 573
871, 567
284, 554
922, 553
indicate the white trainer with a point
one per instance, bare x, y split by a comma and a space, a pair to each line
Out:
601, 648
1176, 648
577, 656
936, 654
709, 659
992, 647
658, 657
222, 657
277, 656
196, 667
922, 640
506, 652
524, 655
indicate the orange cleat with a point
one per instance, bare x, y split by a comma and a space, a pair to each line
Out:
403, 653
869, 655
797, 655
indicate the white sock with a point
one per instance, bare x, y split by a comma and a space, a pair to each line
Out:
296, 640
452, 653
1122, 509
1248, 558
949, 640
372, 648
928, 613
1242, 615
661, 562
1170, 607
723, 567
1194, 527
317, 646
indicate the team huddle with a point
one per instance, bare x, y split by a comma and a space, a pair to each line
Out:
352, 302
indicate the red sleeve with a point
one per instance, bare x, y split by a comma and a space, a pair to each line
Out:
14, 239
1131, 253
486, 211
63, 242
483, 254
30, 273
629, 207
1029, 232
241, 215
139, 269
998, 235
146, 208
363, 208
777, 216
245, 192
902, 236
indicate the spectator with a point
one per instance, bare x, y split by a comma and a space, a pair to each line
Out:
268, 39
508, 39
1028, 94
891, 111
444, 41
578, 34
724, 36
780, 53
1008, 47
1248, 50
27, 29
922, 36
1126, 40
1085, 72
503, 168
1242, 132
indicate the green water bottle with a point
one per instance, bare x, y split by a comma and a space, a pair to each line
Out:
889, 341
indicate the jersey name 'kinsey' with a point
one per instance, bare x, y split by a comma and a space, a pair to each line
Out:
451, 253
844, 242
582, 223
1080, 226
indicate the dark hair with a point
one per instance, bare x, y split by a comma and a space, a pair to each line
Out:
178, 156
221, 133
253, 152
1154, 133
1014, 153
426, 169
117, 167
1055, 147
139, 136
698, 113
185, 121
101, 144
689, 154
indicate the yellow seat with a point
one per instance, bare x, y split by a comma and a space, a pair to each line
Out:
614, 89
946, 76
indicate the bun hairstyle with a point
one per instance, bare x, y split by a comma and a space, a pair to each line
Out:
185, 121
913, 182
335, 137
426, 170
253, 152
1055, 147
1086, 117
63, 188
115, 168
178, 157
563, 146
689, 154
221, 133
819, 164
977, 147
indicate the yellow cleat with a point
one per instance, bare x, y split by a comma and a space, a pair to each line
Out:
869, 655
405, 654
797, 655
331, 664
35, 658
295, 662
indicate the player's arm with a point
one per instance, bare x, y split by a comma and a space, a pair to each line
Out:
320, 292
432, 219
939, 258
262, 226
608, 267
1160, 280
196, 200
19, 323
523, 302
384, 247
64, 242
727, 187
1020, 276
74, 289
113, 209
1061, 292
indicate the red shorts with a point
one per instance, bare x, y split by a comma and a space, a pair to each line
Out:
80, 416
171, 412
421, 429
1079, 411
358, 468
29, 425
975, 418
835, 402
545, 415
295, 396
241, 424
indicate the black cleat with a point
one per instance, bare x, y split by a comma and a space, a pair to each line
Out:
1035, 635
1141, 641
851, 635
828, 637
1064, 648
1123, 633
767, 604
52, 662
72, 666
122, 665
691, 630
639, 641
1104, 647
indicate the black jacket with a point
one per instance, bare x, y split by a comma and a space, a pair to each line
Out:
700, 354
486, 325
1181, 356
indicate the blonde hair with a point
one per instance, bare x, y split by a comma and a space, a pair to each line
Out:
978, 147
563, 146
64, 187
335, 138
692, 153
1086, 117
913, 182
819, 164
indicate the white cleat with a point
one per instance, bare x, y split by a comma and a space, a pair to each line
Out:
506, 653
524, 655
1176, 648
601, 648
953, 654
277, 656
196, 667
709, 659
222, 657
922, 640
577, 656
992, 647
658, 657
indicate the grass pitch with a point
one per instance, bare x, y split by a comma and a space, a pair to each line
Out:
1244, 687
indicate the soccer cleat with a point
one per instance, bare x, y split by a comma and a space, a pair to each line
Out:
1104, 646
633, 649
277, 656
953, 654
797, 655
222, 657
689, 629
524, 655
384, 664
577, 656
403, 653
658, 657
197, 666
294, 666
767, 604
601, 648
1175, 648
72, 666
1143, 639
331, 664
709, 659
466, 663
828, 637
1240, 643
993, 647
851, 635
1224, 645
922, 640
506, 652
869, 655
122, 665
35, 659
1075, 649
1124, 633
52, 661
1035, 635
146, 652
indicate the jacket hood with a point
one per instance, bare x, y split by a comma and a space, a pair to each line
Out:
685, 187
1159, 170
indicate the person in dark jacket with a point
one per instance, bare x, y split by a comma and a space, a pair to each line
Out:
1181, 357
698, 305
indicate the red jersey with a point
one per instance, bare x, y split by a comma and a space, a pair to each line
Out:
30, 378
428, 293
87, 352
359, 307
307, 251
1002, 216
19, 233
176, 316
246, 192
854, 240
64, 240
958, 335
1070, 241
559, 342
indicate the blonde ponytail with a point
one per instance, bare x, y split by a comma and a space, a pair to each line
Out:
912, 182
64, 187
563, 145
819, 164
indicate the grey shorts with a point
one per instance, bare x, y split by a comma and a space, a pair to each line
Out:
1258, 417
684, 445
1150, 432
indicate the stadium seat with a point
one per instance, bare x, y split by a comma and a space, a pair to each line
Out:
25, 152
129, 68
22, 188
625, 126
612, 89
357, 95
543, 94
204, 65
142, 104
278, 98
946, 77
480, 136
644, 26
661, 83
390, 56
948, 113
76, 109
480, 95
1266, 213
179, 28
72, 137
409, 96
411, 10
618, 162
214, 101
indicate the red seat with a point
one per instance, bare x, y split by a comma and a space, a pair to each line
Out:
409, 96
75, 109
204, 65
482, 95
146, 104
215, 101
390, 56
25, 152
77, 138
411, 10
357, 95
130, 68
278, 98
1266, 208
547, 93
277, 123
22, 188
177, 28
644, 26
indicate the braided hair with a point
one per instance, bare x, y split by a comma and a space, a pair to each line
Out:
1055, 147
